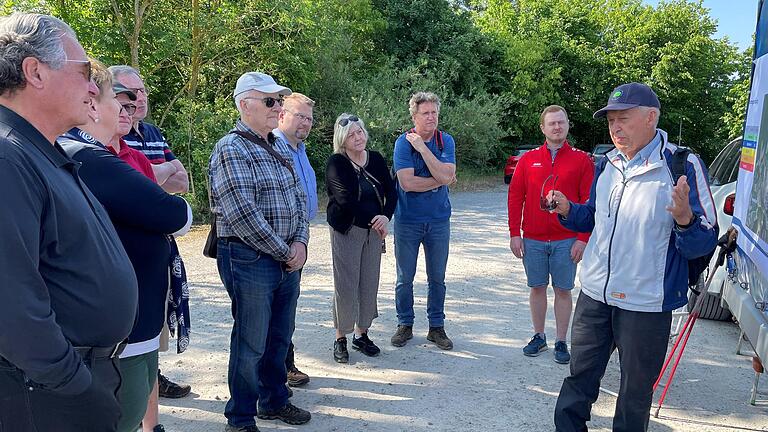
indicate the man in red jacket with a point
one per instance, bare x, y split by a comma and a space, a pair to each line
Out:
548, 249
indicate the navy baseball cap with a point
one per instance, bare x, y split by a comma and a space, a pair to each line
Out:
628, 96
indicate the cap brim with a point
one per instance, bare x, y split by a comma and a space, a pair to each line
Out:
131, 95
273, 88
613, 107
121, 89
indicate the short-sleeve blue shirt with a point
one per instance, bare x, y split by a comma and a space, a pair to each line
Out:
422, 207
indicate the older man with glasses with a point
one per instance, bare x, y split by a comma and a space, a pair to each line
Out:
547, 249
68, 292
261, 220
147, 138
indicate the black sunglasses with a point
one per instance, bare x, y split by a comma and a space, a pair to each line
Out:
543, 204
345, 121
269, 102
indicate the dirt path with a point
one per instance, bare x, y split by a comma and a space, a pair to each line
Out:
484, 384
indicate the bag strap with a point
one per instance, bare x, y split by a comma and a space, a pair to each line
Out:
371, 179
260, 142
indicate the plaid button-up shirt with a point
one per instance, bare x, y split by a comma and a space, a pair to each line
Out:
254, 197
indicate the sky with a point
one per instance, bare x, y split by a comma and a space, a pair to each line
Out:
736, 19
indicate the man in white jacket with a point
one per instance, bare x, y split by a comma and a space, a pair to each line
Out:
645, 228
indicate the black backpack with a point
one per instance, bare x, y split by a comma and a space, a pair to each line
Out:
676, 164
696, 266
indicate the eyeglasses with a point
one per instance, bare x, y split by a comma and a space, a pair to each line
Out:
87, 64
269, 102
543, 204
129, 109
302, 117
345, 121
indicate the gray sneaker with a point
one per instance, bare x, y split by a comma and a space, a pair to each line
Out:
402, 334
438, 336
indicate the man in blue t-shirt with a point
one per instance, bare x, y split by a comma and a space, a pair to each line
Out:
425, 163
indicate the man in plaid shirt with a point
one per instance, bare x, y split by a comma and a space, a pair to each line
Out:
263, 231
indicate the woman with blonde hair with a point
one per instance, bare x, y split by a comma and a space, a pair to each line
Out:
361, 201
143, 215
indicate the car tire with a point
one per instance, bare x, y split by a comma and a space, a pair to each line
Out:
507, 179
711, 309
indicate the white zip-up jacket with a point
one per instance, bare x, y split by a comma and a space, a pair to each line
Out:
637, 257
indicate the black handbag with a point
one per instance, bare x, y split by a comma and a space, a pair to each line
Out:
210, 249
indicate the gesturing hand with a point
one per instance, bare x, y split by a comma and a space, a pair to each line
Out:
563, 205
681, 207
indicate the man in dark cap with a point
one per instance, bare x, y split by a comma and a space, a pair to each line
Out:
645, 227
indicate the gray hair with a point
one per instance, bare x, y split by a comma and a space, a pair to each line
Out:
119, 70
656, 110
239, 98
340, 132
25, 35
420, 98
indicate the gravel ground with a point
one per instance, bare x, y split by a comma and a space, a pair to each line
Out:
485, 383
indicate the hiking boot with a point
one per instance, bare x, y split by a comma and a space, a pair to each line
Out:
536, 346
249, 428
365, 345
169, 389
288, 414
438, 336
402, 334
561, 353
340, 353
297, 378
158, 428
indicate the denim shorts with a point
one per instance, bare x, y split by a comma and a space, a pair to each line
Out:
544, 258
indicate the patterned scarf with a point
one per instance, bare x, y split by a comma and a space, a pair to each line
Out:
178, 300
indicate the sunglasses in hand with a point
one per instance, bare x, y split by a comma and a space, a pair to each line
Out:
544, 203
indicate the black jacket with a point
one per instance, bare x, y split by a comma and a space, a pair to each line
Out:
343, 187
143, 215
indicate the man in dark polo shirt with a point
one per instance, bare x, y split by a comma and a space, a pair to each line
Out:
67, 290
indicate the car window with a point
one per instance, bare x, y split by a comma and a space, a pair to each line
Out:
725, 168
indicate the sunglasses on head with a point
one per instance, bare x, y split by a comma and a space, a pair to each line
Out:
269, 102
543, 204
346, 120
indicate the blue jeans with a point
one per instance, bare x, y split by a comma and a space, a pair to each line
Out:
263, 298
435, 236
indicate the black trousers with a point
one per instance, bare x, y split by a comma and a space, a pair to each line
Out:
25, 407
598, 329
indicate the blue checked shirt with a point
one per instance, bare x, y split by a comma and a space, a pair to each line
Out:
254, 197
